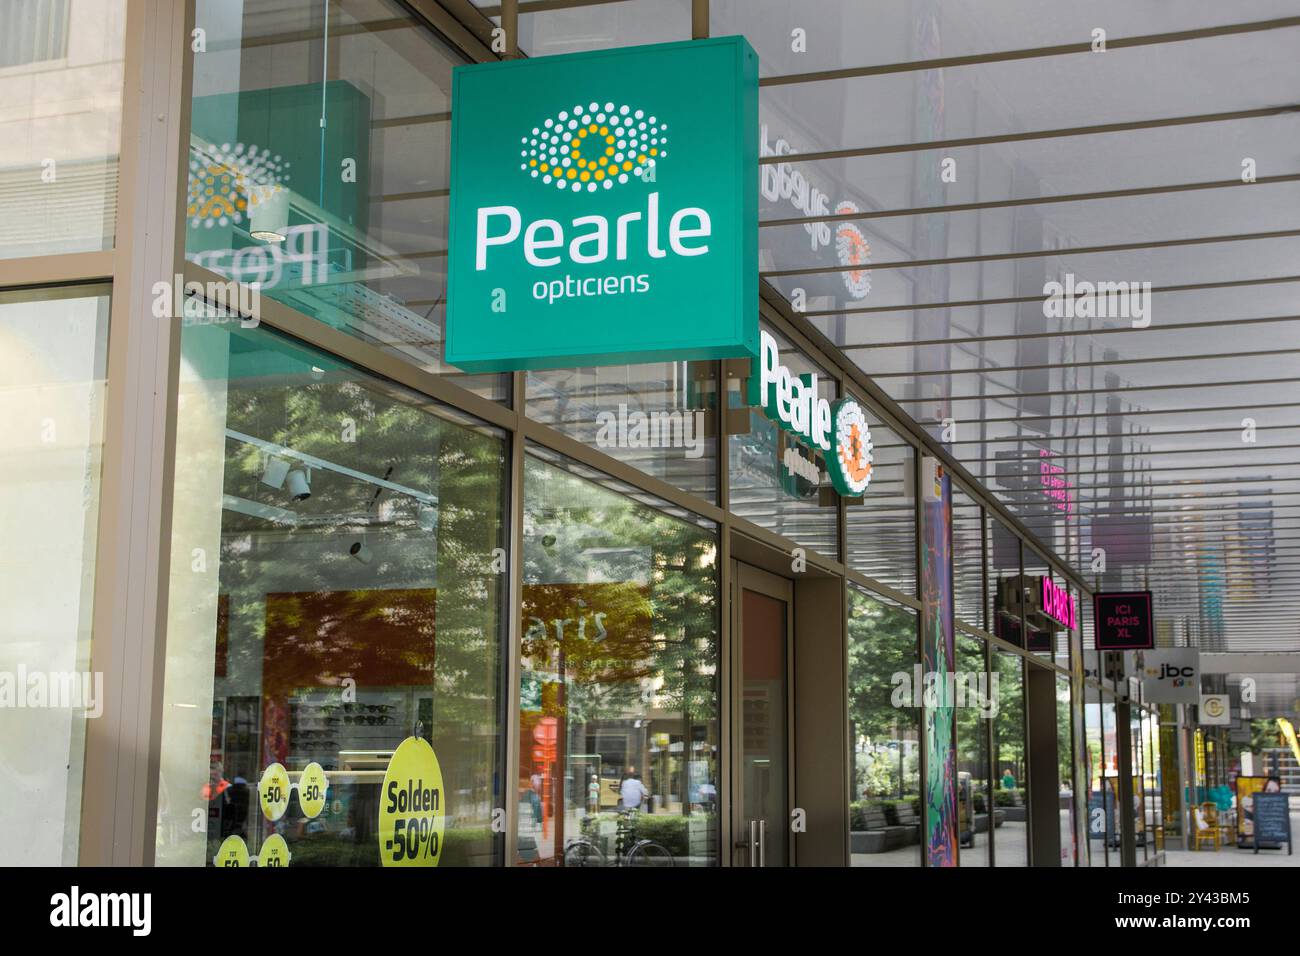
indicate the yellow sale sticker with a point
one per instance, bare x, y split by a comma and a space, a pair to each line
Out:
412, 811
232, 852
273, 792
312, 786
275, 852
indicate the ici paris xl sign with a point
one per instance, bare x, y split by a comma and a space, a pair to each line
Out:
603, 210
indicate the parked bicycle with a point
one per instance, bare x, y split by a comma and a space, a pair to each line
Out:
628, 850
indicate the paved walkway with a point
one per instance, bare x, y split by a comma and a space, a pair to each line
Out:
1231, 856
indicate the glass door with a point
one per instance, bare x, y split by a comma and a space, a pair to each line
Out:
761, 718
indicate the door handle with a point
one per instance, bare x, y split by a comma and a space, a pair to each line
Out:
762, 843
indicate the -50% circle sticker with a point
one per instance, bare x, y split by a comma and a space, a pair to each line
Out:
273, 792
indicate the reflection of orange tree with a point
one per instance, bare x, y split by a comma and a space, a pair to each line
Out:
316, 639
383, 632
659, 606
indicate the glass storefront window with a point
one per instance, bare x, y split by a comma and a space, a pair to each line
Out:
1110, 781
1154, 796
967, 558
61, 67
1100, 803
618, 737
318, 167
53, 365
1011, 794
974, 782
880, 532
1039, 636
884, 728
763, 488
1136, 773
659, 417
1069, 808
337, 587
1005, 593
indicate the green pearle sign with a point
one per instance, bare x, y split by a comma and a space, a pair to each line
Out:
604, 208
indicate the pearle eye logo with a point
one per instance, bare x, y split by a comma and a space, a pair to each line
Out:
853, 250
585, 149
852, 448
227, 183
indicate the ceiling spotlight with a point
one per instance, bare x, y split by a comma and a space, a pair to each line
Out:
299, 484
360, 551
268, 210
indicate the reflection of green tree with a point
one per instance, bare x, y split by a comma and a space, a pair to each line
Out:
882, 643
1265, 735
972, 744
436, 554
660, 604
462, 468
1009, 724
1064, 739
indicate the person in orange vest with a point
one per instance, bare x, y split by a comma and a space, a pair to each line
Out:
217, 784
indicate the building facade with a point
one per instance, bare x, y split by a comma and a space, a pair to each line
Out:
298, 538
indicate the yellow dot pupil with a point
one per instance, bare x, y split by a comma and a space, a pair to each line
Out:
610, 162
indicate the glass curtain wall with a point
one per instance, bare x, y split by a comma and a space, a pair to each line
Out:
619, 727
880, 527
884, 725
319, 167
1101, 804
52, 366
61, 84
1010, 764
61, 68
974, 780
968, 558
767, 486
1065, 764
337, 587
660, 417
